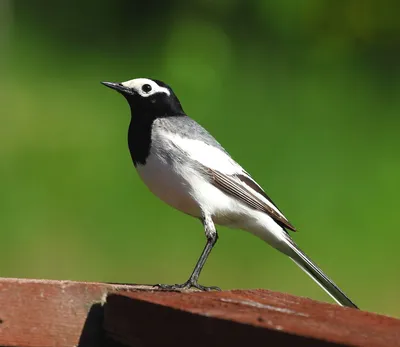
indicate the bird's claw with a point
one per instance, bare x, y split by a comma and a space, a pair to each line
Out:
185, 286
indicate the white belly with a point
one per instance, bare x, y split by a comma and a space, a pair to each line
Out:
183, 189
168, 184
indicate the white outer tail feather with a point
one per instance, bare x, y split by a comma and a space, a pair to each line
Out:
318, 276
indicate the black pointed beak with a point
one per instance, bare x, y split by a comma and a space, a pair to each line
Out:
118, 87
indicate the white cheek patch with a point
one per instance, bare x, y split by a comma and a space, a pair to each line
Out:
137, 84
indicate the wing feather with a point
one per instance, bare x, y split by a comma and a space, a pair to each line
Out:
232, 185
225, 173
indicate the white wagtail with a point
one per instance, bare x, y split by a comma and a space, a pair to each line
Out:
187, 168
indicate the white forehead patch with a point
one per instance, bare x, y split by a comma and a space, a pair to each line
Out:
138, 83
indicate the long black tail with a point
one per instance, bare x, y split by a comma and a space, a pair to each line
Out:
319, 277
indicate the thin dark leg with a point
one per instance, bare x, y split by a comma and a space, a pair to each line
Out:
193, 280
212, 238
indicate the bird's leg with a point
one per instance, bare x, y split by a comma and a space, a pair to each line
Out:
212, 237
192, 282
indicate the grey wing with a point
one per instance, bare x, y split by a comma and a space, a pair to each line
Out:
247, 190
190, 129
214, 159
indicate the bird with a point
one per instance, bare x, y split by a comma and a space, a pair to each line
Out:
187, 168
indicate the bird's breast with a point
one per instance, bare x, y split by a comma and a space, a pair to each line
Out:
168, 182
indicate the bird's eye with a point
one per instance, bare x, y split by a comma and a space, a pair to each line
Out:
146, 88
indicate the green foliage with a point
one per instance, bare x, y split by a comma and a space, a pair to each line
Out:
312, 88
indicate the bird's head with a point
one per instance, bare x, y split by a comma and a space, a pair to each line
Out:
146, 96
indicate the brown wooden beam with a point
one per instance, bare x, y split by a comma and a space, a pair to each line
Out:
64, 313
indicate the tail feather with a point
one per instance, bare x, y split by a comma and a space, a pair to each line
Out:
319, 277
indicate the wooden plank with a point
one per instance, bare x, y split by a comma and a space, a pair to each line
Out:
44, 313
239, 318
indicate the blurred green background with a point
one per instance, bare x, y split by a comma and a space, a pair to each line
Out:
305, 95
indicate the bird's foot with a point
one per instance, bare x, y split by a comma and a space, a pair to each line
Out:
190, 284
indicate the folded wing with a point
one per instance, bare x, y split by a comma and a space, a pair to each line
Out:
244, 188
225, 173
